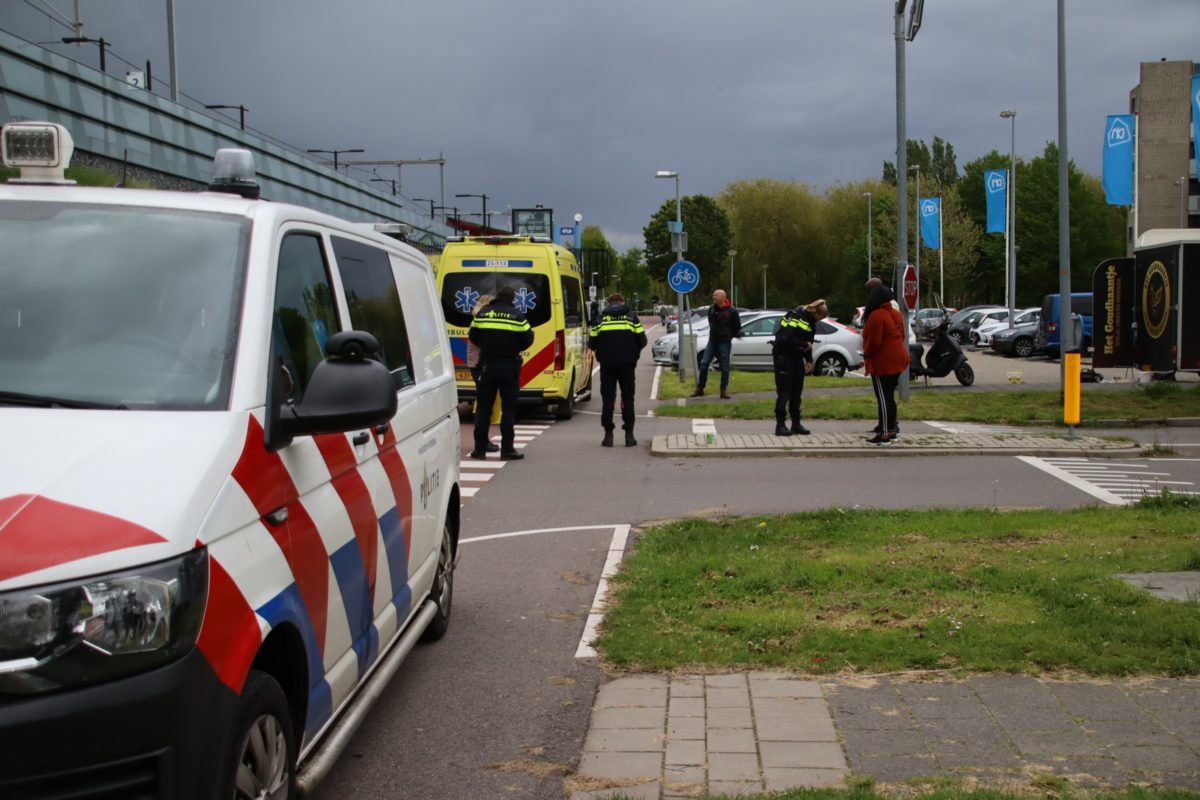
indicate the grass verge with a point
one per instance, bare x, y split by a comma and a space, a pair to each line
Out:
1006, 407
877, 591
669, 388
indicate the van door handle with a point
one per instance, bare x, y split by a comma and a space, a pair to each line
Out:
361, 438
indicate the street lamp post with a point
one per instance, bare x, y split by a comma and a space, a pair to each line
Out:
687, 356
917, 232
732, 295
241, 113
870, 234
425, 200
392, 181
484, 217
1010, 230
336, 153
764, 272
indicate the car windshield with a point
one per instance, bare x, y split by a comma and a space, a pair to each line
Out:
118, 306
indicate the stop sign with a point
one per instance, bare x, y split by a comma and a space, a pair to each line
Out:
910, 286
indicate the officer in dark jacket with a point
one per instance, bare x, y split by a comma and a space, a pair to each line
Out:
792, 355
501, 333
618, 341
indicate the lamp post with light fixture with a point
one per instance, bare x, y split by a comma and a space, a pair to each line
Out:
1010, 227
687, 354
336, 153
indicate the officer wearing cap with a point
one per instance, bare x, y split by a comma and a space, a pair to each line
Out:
618, 341
501, 333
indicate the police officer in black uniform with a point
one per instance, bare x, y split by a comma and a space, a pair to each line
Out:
618, 341
792, 355
501, 333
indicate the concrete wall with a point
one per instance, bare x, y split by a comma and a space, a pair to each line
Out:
171, 145
1163, 106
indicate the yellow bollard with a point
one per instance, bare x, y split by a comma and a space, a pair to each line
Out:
1071, 389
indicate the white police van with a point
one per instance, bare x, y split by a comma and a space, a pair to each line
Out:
229, 485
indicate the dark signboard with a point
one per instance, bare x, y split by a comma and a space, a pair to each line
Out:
1112, 313
1156, 278
1189, 307
533, 222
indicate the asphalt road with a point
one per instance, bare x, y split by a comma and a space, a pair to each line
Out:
499, 708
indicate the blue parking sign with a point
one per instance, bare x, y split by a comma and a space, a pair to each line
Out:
683, 276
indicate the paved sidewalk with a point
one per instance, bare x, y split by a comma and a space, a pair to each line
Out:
655, 737
835, 444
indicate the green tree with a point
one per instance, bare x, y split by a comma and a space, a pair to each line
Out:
708, 234
634, 282
938, 164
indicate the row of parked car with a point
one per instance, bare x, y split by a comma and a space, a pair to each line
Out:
1034, 330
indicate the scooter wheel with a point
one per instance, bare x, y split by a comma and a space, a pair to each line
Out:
965, 375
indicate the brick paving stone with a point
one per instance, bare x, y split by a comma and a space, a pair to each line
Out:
608, 697
735, 788
925, 709
1127, 732
1183, 720
993, 753
889, 743
799, 755
1033, 719
894, 768
736, 697
952, 730
732, 767
779, 779
768, 685
729, 718
1096, 701
685, 728
1087, 772
731, 740
623, 740
687, 687
869, 719
793, 709
733, 681
640, 791
622, 766
1160, 759
686, 707
1049, 744
685, 752
629, 718
683, 782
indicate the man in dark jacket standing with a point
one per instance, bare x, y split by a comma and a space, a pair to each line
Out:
618, 341
723, 324
501, 333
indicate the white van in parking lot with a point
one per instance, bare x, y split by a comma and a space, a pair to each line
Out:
229, 493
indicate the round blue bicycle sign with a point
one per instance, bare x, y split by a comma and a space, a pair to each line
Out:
684, 276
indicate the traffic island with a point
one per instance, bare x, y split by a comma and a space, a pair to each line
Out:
849, 444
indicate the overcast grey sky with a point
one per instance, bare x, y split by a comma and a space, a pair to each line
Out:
575, 105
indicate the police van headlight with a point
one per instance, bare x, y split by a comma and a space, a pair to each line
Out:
86, 632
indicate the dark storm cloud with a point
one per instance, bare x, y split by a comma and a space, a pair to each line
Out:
576, 104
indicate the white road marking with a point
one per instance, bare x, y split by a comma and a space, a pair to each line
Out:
473, 464
1078, 483
475, 477
969, 427
704, 426
468, 491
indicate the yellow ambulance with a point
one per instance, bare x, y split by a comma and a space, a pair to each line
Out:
548, 285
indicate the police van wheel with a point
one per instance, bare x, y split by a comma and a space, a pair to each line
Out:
263, 761
442, 591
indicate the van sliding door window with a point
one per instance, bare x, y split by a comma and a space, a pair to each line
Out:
305, 316
375, 304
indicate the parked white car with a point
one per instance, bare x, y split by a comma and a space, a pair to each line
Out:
837, 349
982, 335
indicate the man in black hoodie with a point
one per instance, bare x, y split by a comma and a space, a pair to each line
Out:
501, 333
618, 341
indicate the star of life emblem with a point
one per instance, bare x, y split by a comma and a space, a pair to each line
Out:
465, 299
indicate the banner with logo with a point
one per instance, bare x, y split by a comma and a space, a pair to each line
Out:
1113, 309
1119, 136
995, 186
931, 222
1196, 108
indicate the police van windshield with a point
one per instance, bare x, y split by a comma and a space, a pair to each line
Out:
117, 306
462, 290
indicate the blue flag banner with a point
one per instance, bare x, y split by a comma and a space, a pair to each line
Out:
931, 222
995, 185
1196, 108
1119, 136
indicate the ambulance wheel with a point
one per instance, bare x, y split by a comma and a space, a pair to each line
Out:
263, 761
442, 591
565, 409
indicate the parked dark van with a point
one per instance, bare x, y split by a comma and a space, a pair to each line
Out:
1047, 340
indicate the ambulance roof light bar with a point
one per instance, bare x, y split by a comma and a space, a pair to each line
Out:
233, 173
40, 150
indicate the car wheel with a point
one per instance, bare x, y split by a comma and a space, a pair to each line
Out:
565, 408
263, 761
956, 336
831, 365
1023, 346
442, 591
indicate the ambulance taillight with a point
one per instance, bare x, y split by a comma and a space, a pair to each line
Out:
560, 351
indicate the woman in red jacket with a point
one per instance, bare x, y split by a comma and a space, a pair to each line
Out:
885, 351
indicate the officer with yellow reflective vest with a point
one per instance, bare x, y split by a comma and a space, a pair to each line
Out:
501, 333
792, 356
618, 340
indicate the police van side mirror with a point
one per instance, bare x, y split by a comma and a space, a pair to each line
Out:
348, 390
